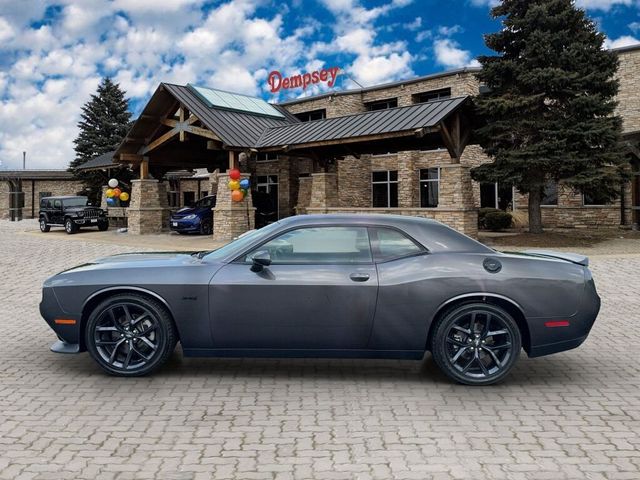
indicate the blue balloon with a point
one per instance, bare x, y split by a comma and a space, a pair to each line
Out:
111, 202
244, 183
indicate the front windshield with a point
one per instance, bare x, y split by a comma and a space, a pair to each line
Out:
75, 202
236, 246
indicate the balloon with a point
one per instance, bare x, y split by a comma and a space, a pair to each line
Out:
113, 183
116, 192
244, 183
234, 174
111, 201
109, 193
234, 185
236, 196
244, 191
124, 196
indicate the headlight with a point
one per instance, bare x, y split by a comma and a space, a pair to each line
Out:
190, 217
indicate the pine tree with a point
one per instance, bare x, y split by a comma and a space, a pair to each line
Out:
549, 114
104, 123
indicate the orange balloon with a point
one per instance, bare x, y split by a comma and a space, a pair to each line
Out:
116, 192
237, 196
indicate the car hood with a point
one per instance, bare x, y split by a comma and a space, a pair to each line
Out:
183, 212
138, 260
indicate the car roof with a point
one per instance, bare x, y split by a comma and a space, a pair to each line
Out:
64, 197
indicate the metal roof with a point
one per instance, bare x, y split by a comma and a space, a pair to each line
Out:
235, 129
100, 162
393, 120
36, 174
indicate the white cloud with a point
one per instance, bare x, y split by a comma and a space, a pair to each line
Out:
415, 25
634, 26
604, 5
485, 3
449, 54
624, 41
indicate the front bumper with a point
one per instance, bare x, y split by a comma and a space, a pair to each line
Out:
68, 333
89, 221
178, 225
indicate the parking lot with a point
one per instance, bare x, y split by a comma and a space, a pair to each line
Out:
573, 415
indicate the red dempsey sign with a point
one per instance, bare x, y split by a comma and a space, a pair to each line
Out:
276, 81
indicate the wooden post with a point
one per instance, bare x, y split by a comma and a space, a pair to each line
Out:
144, 168
233, 159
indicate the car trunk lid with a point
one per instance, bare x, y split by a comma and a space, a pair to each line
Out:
567, 256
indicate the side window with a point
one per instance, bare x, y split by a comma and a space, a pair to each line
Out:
319, 245
43, 203
57, 204
390, 244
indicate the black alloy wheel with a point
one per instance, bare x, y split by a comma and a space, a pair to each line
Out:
44, 226
130, 335
205, 227
70, 226
476, 344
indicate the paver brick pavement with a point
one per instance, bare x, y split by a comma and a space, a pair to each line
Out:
573, 415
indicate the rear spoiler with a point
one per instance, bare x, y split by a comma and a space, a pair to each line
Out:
569, 257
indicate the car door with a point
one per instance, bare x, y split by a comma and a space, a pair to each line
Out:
56, 212
318, 293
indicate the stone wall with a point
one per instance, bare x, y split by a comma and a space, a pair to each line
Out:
231, 219
148, 210
53, 187
629, 93
461, 83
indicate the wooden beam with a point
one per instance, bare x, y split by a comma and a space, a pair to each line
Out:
192, 119
160, 140
449, 142
203, 132
170, 122
233, 159
144, 168
130, 157
181, 116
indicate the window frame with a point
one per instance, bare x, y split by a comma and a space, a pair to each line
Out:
241, 259
387, 101
547, 205
264, 160
429, 180
442, 94
375, 244
388, 183
585, 204
308, 113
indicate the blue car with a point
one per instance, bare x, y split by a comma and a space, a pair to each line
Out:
195, 219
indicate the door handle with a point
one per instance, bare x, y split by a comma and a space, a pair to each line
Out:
359, 277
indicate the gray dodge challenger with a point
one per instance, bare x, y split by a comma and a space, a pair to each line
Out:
340, 286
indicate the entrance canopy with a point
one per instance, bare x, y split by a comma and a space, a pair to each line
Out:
191, 127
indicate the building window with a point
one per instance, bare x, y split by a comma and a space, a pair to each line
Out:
429, 187
312, 115
594, 199
384, 189
382, 104
431, 95
550, 194
189, 198
266, 156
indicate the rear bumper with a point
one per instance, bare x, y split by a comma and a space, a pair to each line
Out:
546, 340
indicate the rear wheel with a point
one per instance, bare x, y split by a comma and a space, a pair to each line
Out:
44, 226
70, 226
476, 344
130, 335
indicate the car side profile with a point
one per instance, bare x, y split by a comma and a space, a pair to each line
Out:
341, 286
72, 213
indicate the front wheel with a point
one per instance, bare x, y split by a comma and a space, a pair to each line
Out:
205, 227
476, 344
102, 226
44, 226
70, 226
130, 335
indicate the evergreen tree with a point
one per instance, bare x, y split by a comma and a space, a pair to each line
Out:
549, 113
104, 123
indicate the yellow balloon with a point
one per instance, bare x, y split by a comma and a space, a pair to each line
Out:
124, 196
234, 185
109, 193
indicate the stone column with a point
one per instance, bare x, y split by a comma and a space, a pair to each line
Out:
304, 195
148, 211
324, 190
103, 198
456, 199
407, 180
213, 182
4, 199
230, 218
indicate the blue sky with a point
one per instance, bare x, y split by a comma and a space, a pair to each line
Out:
53, 53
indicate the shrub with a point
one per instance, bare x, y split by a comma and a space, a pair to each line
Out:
496, 221
482, 213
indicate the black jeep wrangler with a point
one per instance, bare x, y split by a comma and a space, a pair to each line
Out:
71, 213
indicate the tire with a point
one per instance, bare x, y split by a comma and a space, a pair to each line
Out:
103, 226
69, 226
205, 227
44, 226
482, 353
114, 332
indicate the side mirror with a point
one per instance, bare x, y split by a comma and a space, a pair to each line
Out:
260, 260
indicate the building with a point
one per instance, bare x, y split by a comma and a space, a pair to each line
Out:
21, 190
403, 147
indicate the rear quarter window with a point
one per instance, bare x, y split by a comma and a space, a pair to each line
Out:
390, 244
